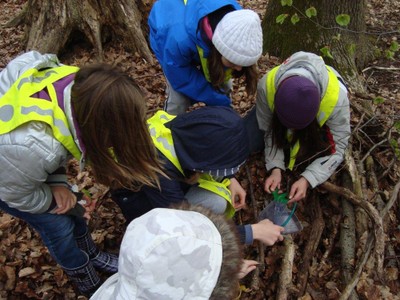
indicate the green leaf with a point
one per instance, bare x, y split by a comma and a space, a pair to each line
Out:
395, 147
397, 126
294, 19
281, 18
343, 20
311, 12
378, 100
287, 2
326, 52
389, 54
394, 46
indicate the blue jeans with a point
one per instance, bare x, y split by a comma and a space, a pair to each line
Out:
58, 233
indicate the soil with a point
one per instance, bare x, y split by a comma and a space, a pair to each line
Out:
27, 271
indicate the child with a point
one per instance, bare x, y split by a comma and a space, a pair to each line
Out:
49, 111
183, 253
201, 151
200, 46
303, 107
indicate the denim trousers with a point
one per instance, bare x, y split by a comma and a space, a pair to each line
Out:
58, 233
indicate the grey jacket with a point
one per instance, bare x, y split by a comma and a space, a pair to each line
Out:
29, 155
313, 68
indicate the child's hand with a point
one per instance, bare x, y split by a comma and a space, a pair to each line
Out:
298, 190
267, 232
273, 181
238, 194
64, 198
89, 206
247, 267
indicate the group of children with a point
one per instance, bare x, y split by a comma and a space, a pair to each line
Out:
172, 175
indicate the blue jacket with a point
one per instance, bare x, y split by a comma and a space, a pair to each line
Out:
174, 35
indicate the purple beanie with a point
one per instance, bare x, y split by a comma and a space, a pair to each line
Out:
297, 102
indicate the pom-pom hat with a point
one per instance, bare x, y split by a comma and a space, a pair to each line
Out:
238, 37
297, 102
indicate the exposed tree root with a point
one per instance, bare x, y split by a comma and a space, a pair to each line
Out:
50, 24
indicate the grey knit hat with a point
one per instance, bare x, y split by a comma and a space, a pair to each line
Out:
238, 37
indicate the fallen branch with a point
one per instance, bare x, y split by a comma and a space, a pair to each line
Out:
317, 228
285, 277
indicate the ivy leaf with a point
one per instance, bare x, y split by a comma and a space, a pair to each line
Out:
343, 20
326, 52
294, 19
287, 2
281, 18
311, 12
394, 46
378, 100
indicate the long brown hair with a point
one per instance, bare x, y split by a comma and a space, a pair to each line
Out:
313, 142
110, 111
217, 72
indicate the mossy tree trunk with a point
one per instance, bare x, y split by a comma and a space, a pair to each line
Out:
348, 46
50, 24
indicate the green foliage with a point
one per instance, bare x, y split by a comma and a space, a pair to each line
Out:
395, 146
281, 18
397, 126
389, 54
311, 12
294, 19
394, 46
343, 19
287, 2
326, 52
378, 100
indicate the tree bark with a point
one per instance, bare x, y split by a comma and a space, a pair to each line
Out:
312, 34
49, 25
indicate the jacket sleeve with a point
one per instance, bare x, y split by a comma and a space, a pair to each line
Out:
274, 157
339, 124
30, 156
178, 60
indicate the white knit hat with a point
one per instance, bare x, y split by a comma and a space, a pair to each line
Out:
238, 37
166, 254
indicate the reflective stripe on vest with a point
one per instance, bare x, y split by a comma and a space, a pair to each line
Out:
18, 107
162, 139
208, 183
328, 104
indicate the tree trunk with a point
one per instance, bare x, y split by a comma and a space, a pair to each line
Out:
49, 25
348, 46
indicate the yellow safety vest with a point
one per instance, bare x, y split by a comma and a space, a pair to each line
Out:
162, 139
18, 107
328, 104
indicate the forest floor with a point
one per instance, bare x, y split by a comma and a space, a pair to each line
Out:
28, 272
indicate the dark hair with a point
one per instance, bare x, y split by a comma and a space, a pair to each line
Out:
217, 72
110, 111
215, 67
313, 142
